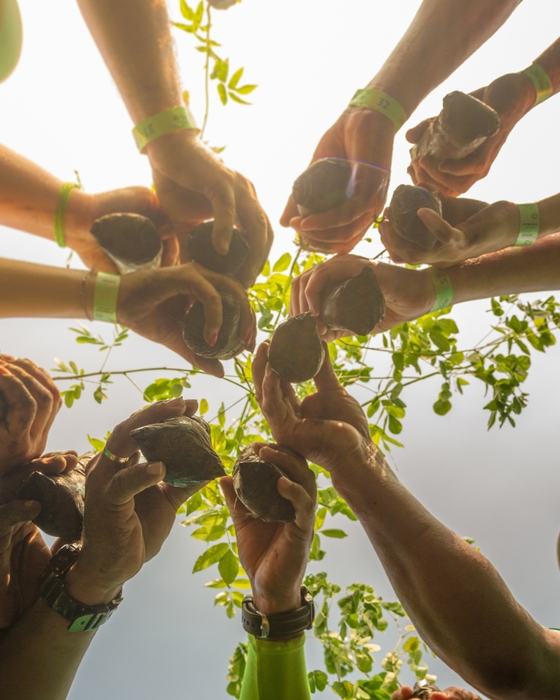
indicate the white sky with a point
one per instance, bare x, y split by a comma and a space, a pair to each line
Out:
61, 109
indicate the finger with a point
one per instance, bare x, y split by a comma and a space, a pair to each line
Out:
326, 379
53, 464
260, 362
303, 503
247, 320
294, 296
441, 229
177, 345
46, 407
475, 163
128, 482
317, 281
20, 408
291, 463
256, 227
17, 512
414, 134
223, 206
171, 251
272, 394
289, 212
235, 506
40, 374
303, 301
193, 281
403, 693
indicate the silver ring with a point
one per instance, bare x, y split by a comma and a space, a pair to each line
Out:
114, 458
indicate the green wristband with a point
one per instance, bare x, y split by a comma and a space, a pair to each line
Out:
443, 287
543, 87
60, 212
529, 220
175, 119
380, 102
105, 297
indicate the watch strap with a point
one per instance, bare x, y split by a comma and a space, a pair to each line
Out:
286, 624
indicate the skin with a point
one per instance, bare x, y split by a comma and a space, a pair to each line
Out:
475, 625
152, 303
28, 198
451, 693
512, 96
440, 38
128, 515
191, 182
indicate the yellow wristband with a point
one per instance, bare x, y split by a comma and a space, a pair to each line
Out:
529, 221
60, 212
380, 102
175, 119
105, 297
443, 287
543, 87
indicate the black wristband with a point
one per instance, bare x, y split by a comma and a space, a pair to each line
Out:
282, 625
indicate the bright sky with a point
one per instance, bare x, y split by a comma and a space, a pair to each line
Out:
61, 109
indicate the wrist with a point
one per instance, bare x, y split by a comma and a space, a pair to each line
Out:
87, 587
277, 604
79, 218
375, 130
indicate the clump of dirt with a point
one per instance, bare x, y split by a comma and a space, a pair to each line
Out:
424, 691
356, 305
198, 247
228, 344
255, 483
130, 240
461, 127
406, 201
296, 352
183, 445
322, 186
61, 498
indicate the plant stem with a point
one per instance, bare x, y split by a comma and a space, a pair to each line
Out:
207, 72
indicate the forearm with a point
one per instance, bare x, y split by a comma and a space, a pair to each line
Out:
39, 291
454, 596
442, 35
28, 197
39, 657
550, 61
134, 39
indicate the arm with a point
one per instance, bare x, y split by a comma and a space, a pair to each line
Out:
150, 302
134, 39
492, 228
512, 96
274, 555
452, 593
28, 199
442, 35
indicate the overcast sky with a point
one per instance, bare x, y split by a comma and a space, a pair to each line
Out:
61, 109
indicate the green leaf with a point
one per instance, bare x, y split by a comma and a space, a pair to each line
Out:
186, 10
97, 445
283, 263
235, 78
203, 407
229, 567
442, 407
223, 93
337, 534
245, 89
237, 99
210, 556
209, 533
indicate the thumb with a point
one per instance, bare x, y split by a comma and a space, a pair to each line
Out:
301, 501
434, 223
131, 481
326, 379
17, 512
223, 205
235, 507
415, 134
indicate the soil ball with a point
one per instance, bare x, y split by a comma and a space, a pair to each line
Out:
199, 248
296, 352
356, 305
183, 445
255, 483
228, 344
322, 186
131, 240
406, 201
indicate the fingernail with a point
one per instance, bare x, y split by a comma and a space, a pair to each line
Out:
249, 337
175, 402
154, 469
213, 339
30, 504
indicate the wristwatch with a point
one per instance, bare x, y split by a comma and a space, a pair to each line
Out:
82, 618
282, 625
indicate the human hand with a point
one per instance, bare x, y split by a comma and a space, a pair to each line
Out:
360, 135
512, 96
328, 428
84, 209
193, 185
489, 228
408, 293
275, 554
128, 511
29, 402
451, 693
153, 303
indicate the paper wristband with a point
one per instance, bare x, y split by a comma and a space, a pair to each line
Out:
538, 76
60, 212
444, 289
380, 102
175, 119
529, 220
105, 297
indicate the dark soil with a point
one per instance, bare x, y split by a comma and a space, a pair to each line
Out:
322, 186
198, 247
129, 239
183, 445
296, 352
406, 201
357, 305
228, 344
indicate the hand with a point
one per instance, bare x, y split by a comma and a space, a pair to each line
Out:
128, 511
451, 693
512, 96
361, 135
153, 303
328, 428
84, 209
408, 294
29, 402
490, 228
193, 185
274, 555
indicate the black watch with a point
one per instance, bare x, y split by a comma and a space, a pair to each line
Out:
82, 618
282, 625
